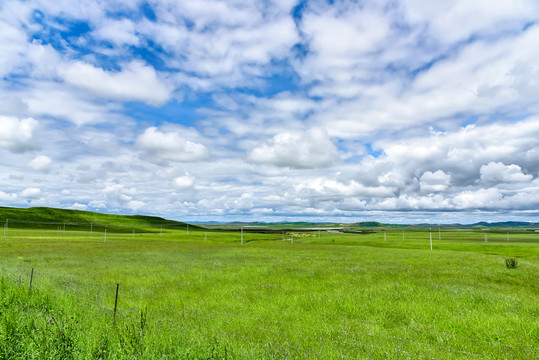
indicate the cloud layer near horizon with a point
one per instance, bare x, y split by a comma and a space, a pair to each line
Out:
405, 111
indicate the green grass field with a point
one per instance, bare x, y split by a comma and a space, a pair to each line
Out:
203, 295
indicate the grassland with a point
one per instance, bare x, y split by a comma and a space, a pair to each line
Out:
202, 295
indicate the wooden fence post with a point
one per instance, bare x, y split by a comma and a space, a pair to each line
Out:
116, 303
31, 279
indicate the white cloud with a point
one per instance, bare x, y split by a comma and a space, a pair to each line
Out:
451, 21
434, 181
40, 163
136, 82
136, 205
332, 188
228, 43
119, 32
339, 39
12, 42
497, 172
54, 100
312, 149
7, 197
31, 193
183, 182
77, 206
478, 199
170, 146
17, 135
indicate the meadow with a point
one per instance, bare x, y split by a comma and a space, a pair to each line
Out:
201, 294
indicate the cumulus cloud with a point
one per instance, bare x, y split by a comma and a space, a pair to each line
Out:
17, 135
183, 182
434, 181
119, 32
497, 172
478, 199
77, 206
7, 197
55, 100
312, 149
136, 82
333, 188
120, 197
170, 146
31, 193
40, 163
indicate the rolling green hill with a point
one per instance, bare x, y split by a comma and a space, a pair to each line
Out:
51, 218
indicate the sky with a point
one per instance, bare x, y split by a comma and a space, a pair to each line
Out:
399, 111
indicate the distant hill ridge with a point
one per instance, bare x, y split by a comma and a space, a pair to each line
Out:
45, 217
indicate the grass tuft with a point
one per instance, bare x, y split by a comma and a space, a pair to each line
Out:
511, 263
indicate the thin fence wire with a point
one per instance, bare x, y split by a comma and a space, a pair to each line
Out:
133, 308
314, 333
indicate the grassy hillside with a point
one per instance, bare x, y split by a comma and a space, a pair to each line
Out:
51, 218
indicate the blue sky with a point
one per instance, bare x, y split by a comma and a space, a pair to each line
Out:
398, 111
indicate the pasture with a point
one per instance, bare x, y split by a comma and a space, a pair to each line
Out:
201, 294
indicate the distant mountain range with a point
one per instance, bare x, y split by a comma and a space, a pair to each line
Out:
373, 224
44, 216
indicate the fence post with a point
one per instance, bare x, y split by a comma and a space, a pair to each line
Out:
116, 303
31, 279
